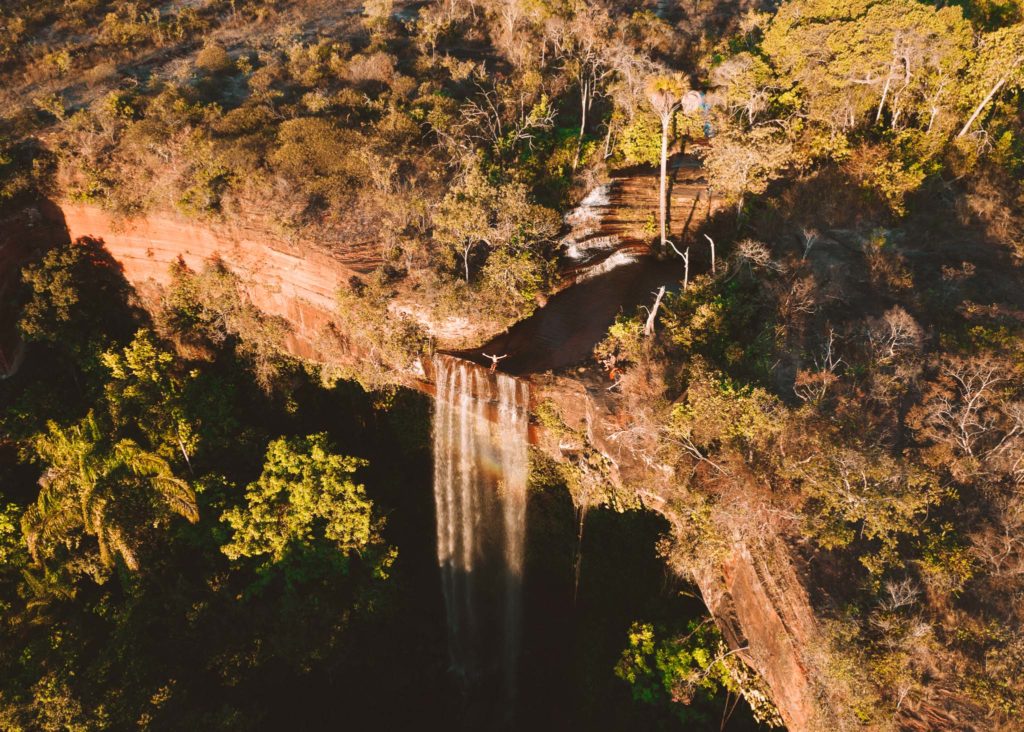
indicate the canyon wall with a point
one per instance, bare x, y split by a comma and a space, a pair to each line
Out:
295, 281
753, 592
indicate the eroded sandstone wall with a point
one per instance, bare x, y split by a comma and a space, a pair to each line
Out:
297, 282
759, 607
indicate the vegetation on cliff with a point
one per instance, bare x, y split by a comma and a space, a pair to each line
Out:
840, 391
851, 375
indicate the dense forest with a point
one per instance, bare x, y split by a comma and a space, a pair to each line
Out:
202, 528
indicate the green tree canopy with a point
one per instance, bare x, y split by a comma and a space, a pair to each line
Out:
145, 390
306, 493
76, 296
113, 492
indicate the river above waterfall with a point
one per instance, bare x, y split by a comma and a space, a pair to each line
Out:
564, 332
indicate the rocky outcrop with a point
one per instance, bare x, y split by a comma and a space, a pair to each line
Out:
768, 613
616, 222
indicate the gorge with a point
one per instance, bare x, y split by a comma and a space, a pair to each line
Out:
480, 434
511, 364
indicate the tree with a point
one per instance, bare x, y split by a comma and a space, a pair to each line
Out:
677, 671
665, 94
863, 493
77, 293
306, 493
739, 163
212, 307
111, 491
478, 212
323, 159
11, 547
1001, 65
145, 391
583, 41
846, 64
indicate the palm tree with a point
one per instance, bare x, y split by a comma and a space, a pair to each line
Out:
665, 94
104, 490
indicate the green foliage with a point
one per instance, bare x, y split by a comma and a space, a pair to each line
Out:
512, 281
77, 296
717, 412
640, 141
695, 666
24, 169
323, 159
862, 494
306, 493
213, 59
11, 547
145, 390
382, 339
739, 164
946, 560
101, 487
51, 104
724, 322
57, 709
502, 225
625, 343
211, 308
132, 25
860, 41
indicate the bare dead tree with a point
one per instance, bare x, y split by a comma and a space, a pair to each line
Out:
809, 237
1013, 67
813, 386
900, 593
1000, 544
895, 334
685, 256
965, 418
653, 312
487, 119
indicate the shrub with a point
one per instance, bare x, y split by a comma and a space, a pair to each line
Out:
213, 59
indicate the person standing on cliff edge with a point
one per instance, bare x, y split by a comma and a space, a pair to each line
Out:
494, 360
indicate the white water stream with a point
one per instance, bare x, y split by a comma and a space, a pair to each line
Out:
480, 470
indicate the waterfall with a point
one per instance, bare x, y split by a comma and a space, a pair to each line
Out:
480, 469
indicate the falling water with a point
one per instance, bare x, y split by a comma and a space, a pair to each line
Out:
480, 467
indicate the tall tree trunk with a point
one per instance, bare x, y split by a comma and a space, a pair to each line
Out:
666, 120
712, 243
584, 104
885, 93
649, 325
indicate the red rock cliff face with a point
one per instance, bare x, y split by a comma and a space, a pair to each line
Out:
766, 611
295, 281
